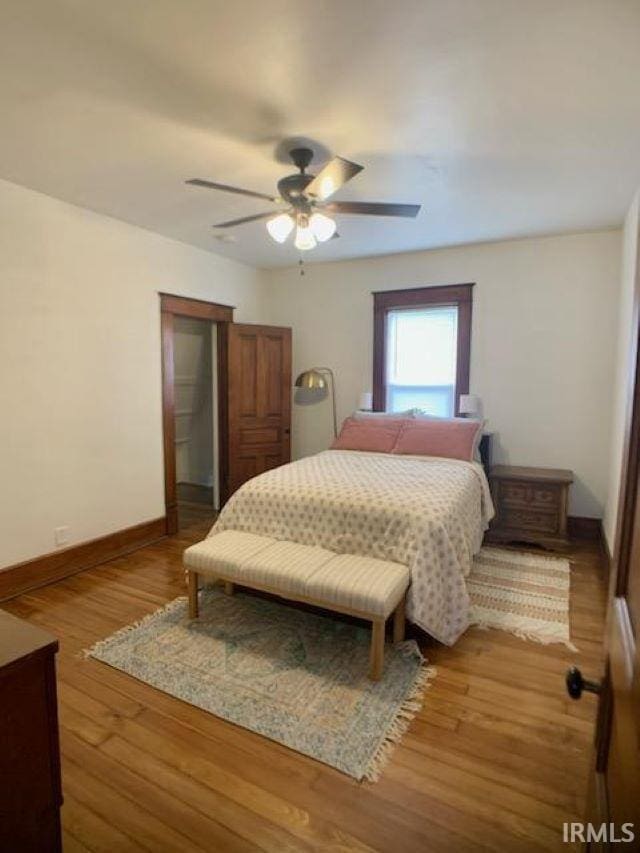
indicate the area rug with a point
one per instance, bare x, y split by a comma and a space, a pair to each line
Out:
288, 674
525, 594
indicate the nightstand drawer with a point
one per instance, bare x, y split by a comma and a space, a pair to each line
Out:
534, 520
522, 494
530, 504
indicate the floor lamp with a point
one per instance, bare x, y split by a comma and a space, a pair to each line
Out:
312, 386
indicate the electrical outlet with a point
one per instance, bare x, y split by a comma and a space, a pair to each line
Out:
61, 535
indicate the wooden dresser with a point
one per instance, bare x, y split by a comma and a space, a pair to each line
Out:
530, 505
30, 787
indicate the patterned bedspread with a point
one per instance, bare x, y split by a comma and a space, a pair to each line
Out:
425, 512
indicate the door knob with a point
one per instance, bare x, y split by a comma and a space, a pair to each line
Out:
576, 683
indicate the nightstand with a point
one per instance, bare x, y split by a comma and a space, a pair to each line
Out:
530, 504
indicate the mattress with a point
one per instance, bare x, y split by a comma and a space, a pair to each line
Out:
427, 513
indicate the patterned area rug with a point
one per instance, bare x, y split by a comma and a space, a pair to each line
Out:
525, 594
292, 676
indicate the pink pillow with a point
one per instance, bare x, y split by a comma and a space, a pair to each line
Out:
453, 439
377, 435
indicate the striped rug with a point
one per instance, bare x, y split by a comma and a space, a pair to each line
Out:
525, 594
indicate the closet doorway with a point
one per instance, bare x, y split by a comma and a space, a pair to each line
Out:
196, 420
194, 393
242, 374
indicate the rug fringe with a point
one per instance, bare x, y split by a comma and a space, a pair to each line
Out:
505, 555
401, 722
523, 634
175, 604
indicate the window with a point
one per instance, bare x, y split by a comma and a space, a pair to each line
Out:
422, 343
421, 359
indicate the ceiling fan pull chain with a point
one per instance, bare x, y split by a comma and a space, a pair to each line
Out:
301, 265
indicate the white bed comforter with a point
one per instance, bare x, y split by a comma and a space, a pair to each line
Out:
425, 512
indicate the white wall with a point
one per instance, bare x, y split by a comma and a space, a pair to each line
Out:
542, 357
623, 379
80, 381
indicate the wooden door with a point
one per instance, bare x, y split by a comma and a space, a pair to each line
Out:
614, 796
259, 401
613, 810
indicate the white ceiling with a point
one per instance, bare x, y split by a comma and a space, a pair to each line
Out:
501, 117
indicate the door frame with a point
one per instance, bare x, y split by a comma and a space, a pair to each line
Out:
172, 306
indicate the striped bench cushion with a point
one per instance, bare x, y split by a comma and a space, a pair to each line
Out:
361, 584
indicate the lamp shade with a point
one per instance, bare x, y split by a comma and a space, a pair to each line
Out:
469, 404
280, 227
311, 379
305, 238
323, 228
366, 401
311, 387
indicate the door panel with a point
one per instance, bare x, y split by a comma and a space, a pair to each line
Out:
247, 381
273, 356
259, 400
614, 791
261, 435
623, 758
615, 784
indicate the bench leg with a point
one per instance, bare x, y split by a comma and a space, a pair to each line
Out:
192, 585
399, 623
228, 588
377, 649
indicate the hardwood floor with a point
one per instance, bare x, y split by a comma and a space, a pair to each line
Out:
496, 760
191, 513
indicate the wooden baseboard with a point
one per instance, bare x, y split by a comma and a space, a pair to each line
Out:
584, 528
607, 557
52, 567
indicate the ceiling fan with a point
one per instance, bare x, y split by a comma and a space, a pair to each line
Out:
306, 197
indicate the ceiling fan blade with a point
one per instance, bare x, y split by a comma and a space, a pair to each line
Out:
198, 182
244, 219
373, 208
334, 175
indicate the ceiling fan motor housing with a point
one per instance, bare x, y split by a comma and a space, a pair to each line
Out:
292, 189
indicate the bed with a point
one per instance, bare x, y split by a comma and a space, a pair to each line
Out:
428, 513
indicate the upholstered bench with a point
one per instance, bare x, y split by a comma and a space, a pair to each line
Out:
358, 586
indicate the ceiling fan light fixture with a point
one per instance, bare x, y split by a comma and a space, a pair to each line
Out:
322, 227
305, 238
280, 227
